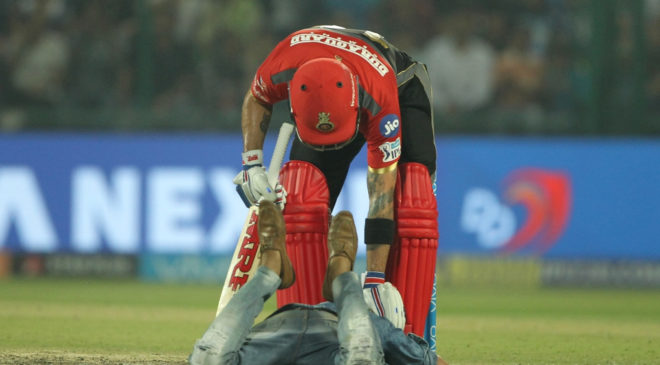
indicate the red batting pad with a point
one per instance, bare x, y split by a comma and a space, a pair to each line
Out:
412, 259
307, 217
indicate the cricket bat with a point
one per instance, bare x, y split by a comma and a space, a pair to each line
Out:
246, 258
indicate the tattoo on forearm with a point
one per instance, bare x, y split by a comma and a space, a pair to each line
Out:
380, 205
265, 120
381, 195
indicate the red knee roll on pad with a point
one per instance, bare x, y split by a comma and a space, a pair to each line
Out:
412, 259
307, 218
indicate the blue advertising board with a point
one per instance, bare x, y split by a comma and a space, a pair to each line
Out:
561, 198
173, 194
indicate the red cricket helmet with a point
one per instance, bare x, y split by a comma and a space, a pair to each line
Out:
324, 103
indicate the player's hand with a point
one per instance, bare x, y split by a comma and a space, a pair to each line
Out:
252, 183
385, 300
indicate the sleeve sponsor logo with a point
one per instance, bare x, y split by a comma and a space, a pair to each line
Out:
349, 46
391, 150
389, 125
259, 88
261, 84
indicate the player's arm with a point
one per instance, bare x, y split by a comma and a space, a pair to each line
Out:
255, 117
253, 185
380, 219
384, 149
252, 181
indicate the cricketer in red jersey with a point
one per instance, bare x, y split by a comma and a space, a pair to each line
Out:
345, 88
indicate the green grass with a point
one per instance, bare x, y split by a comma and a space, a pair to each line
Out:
549, 326
159, 323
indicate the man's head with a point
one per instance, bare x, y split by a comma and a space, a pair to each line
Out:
324, 103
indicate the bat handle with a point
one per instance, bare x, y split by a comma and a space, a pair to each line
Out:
286, 130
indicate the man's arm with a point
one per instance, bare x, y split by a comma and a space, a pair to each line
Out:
380, 185
255, 117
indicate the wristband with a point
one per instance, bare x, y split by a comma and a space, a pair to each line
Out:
252, 158
378, 231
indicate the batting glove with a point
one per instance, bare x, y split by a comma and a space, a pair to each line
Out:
385, 301
252, 183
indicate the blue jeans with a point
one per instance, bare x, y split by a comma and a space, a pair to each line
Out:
305, 334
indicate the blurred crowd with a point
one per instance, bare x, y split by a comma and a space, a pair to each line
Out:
497, 66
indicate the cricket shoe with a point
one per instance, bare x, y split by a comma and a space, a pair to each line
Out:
272, 236
342, 241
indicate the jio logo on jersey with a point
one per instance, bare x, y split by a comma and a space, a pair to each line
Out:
389, 125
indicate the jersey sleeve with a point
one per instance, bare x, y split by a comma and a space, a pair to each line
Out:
383, 137
263, 88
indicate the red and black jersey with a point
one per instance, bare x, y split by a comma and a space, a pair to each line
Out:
368, 56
